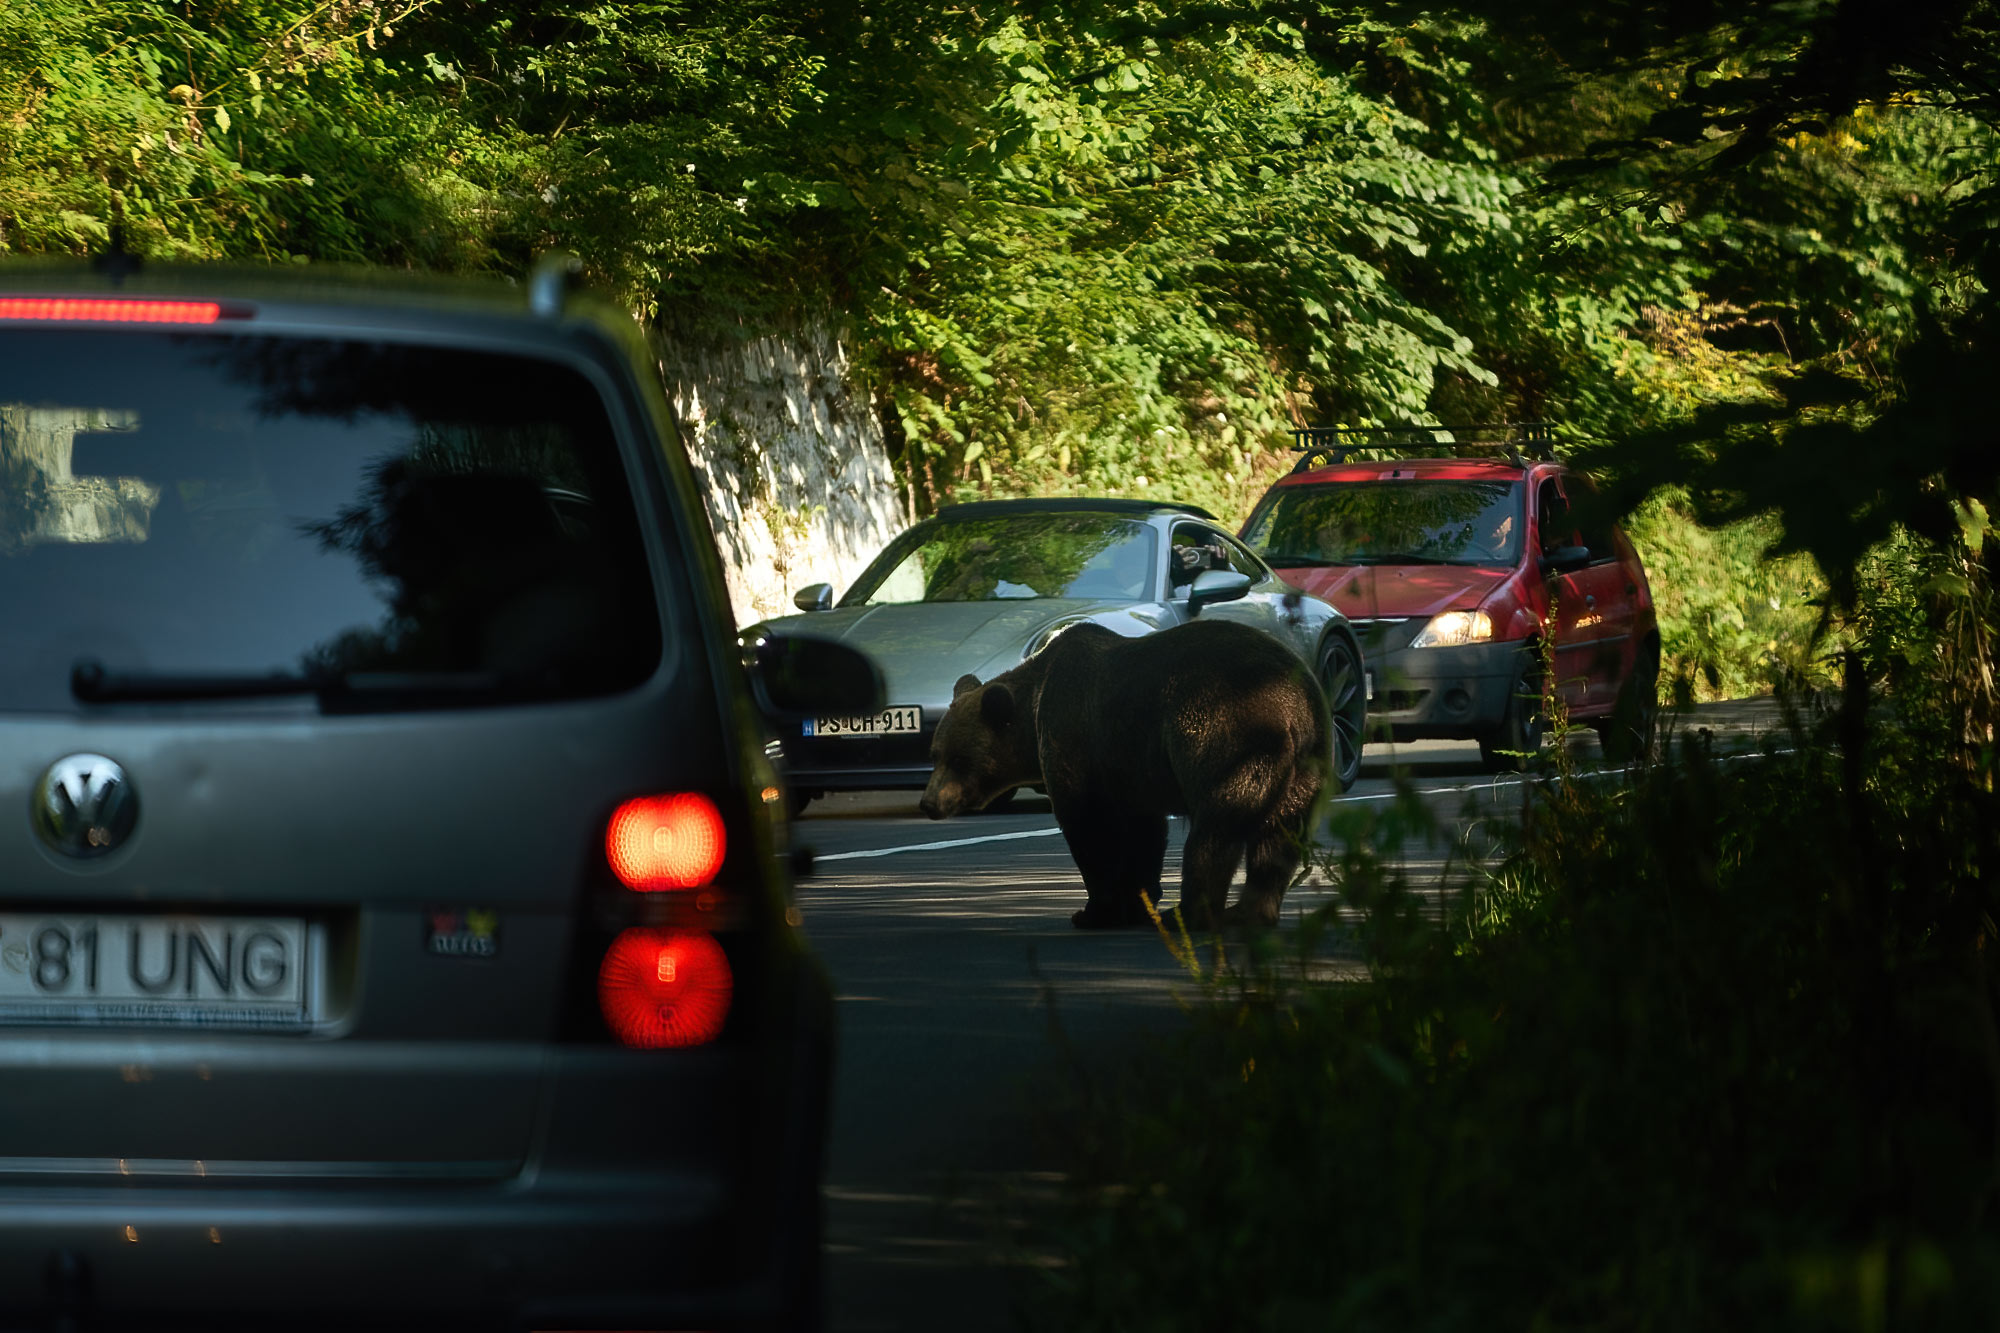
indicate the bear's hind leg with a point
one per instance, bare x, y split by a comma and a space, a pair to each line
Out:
1208, 863
1272, 861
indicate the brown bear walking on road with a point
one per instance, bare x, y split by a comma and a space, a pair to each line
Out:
1212, 720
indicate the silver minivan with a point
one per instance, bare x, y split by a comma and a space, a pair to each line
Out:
395, 917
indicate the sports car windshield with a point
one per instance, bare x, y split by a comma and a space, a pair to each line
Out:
1389, 523
1001, 558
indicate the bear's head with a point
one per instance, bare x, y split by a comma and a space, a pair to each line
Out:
984, 746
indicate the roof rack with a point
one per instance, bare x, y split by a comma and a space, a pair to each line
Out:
1517, 441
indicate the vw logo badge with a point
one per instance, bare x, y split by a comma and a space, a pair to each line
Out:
85, 806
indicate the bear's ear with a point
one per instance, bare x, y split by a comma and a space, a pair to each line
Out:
965, 682
996, 706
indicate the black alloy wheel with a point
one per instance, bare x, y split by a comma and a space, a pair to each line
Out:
1341, 677
1514, 745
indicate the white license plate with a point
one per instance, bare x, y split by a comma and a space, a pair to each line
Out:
901, 720
179, 971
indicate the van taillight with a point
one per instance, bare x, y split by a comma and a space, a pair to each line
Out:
665, 842
662, 988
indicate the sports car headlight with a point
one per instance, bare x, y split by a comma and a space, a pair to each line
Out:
1454, 628
1047, 637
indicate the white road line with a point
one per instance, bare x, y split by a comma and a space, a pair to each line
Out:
938, 846
1048, 833
948, 844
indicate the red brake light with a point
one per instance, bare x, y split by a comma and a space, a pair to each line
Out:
114, 311
665, 842
661, 988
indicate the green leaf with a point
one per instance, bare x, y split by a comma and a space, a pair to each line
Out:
1972, 523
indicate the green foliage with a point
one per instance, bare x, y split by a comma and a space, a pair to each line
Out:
1159, 255
1734, 621
1082, 248
1716, 1048
208, 131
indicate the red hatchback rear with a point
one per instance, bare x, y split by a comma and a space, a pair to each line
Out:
1455, 571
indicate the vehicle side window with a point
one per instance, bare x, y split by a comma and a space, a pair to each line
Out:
1240, 557
1593, 521
1195, 549
1555, 523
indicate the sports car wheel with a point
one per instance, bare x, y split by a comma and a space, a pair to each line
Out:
1347, 702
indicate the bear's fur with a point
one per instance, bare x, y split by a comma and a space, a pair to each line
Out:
1212, 720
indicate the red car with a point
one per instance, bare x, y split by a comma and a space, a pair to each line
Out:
1455, 571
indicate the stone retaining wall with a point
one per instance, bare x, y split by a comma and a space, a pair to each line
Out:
791, 460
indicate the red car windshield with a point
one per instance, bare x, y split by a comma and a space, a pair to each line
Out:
1412, 522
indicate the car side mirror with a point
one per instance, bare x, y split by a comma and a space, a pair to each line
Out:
796, 675
1216, 585
1563, 559
814, 597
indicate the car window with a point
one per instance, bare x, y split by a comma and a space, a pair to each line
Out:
1572, 514
1416, 521
1592, 518
1241, 558
1555, 525
1013, 556
200, 505
1196, 549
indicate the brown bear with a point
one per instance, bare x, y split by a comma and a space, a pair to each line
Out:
1212, 720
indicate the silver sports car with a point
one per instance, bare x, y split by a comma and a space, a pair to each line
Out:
980, 587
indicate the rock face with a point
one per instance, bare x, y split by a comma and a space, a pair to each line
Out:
791, 460
42, 500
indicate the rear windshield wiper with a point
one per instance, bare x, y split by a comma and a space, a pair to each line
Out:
91, 683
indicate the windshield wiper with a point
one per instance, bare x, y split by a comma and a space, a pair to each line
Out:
1403, 558
91, 683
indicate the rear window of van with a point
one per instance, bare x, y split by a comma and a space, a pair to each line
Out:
436, 522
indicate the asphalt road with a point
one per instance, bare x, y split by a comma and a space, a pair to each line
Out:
962, 988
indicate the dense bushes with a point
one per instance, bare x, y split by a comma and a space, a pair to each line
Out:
1713, 1046
1734, 621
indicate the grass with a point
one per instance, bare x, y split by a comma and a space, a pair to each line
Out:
1711, 1045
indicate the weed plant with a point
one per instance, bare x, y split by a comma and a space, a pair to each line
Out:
1709, 1043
